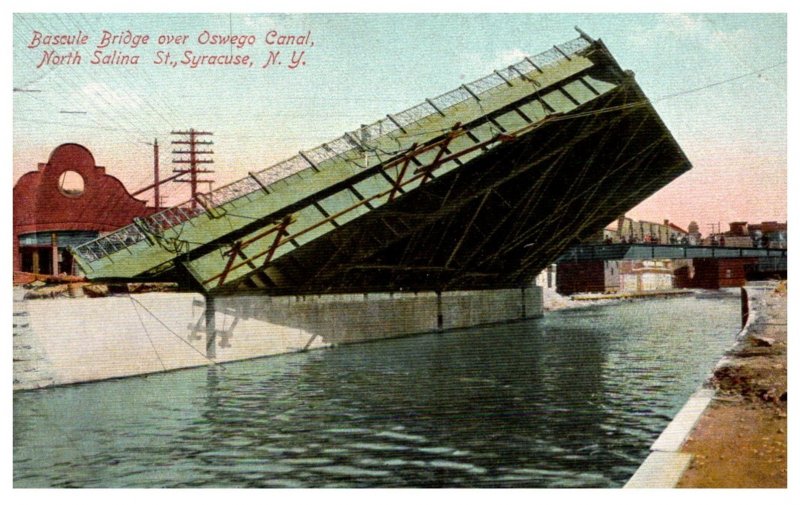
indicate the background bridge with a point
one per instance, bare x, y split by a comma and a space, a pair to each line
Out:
610, 252
614, 267
480, 187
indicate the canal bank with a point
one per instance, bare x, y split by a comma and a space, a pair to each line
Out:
732, 432
741, 439
74, 332
68, 340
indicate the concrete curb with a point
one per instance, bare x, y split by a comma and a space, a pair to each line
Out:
665, 465
660, 470
673, 437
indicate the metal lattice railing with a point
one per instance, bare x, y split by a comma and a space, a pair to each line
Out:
355, 140
168, 218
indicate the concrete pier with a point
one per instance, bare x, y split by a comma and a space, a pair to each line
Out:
211, 327
89, 339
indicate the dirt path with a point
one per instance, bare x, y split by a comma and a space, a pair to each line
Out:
740, 442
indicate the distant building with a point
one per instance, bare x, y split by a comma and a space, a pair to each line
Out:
677, 235
638, 276
614, 276
639, 232
65, 202
715, 273
769, 234
738, 229
629, 276
694, 237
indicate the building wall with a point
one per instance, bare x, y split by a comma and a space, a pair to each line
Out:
612, 276
581, 277
41, 207
629, 282
638, 281
704, 273
682, 273
547, 278
655, 280
715, 273
737, 241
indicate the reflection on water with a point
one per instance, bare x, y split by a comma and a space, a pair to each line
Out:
570, 400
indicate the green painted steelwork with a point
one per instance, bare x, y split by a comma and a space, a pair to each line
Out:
155, 241
441, 196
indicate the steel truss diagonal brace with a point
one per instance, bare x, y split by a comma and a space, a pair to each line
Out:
398, 182
424, 172
237, 250
437, 161
280, 232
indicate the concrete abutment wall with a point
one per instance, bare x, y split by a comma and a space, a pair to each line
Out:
89, 339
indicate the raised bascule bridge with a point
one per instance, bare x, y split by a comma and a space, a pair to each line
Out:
479, 188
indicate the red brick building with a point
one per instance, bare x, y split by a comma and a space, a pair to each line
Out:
715, 273
65, 202
581, 277
611, 276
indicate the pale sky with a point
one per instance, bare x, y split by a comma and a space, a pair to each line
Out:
362, 67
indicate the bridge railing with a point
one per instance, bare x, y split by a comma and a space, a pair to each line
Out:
356, 140
592, 252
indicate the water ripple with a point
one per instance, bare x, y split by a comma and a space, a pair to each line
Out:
572, 400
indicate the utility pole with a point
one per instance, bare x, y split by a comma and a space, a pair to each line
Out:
713, 235
158, 202
191, 141
156, 184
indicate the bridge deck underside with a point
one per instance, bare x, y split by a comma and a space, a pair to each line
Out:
498, 219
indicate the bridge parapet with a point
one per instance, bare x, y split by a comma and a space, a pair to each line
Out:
610, 252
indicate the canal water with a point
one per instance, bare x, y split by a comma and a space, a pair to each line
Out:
570, 400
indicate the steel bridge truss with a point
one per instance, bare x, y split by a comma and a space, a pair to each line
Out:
491, 223
481, 193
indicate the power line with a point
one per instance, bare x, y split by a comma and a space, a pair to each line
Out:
718, 83
173, 332
75, 88
129, 80
726, 45
123, 104
74, 125
152, 344
560, 117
